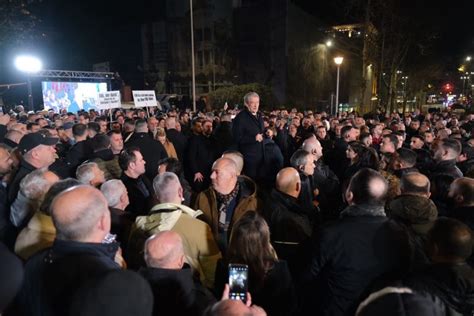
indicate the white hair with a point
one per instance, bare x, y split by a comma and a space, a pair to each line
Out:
166, 186
113, 190
250, 95
85, 172
34, 185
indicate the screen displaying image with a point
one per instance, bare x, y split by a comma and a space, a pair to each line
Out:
72, 96
238, 282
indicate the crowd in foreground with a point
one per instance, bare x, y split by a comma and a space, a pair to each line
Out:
129, 213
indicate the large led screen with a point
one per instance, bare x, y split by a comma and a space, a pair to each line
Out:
72, 96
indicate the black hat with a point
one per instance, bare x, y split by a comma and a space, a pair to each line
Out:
30, 141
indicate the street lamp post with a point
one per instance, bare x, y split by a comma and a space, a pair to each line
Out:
29, 65
338, 61
193, 72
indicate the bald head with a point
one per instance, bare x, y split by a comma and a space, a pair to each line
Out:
81, 214
237, 157
288, 181
415, 183
164, 250
226, 163
313, 146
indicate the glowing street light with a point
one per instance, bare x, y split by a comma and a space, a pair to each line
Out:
30, 65
338, 60
329, 43
468, 58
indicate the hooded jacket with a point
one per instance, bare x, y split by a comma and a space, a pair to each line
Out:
206, 201
200, 248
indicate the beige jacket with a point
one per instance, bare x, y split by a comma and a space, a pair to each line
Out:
37, 235
200, 248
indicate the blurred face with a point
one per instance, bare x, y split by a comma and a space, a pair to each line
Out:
368, 141
139, 164
253, 104
306, 123
415, 125
378, 130
152, 123
387, 146
98, 177
83, 120
162, 139
222, 177
309, 167
416, 143
292, 129
197, 128
103, 127
352, 135
42, 123
429, 137
207, 128
6, 162
178, 127
116, 143
46, 155
350, 153
321, 133
317, 151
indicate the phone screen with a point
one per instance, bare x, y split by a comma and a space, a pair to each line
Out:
238, 274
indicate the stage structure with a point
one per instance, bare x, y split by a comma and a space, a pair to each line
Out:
72, 90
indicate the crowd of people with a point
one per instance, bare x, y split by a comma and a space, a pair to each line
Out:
134, 213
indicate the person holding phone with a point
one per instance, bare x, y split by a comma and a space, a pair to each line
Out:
251, 264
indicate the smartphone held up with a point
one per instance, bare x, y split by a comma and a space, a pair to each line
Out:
238, 282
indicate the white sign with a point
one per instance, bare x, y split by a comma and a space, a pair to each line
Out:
144, 98
108, 100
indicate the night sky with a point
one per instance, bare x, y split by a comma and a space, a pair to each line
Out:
80, 33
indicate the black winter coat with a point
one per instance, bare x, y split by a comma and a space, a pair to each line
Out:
179, 141
152, 151
140, 202
453, 284
200, 156
447, 167
245, 128
350, 254
53, 275
176, 292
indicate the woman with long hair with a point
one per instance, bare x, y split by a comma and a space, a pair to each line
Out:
269, 280
169, 147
